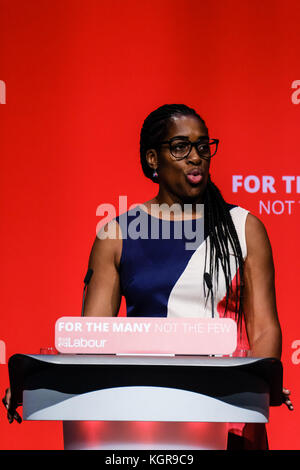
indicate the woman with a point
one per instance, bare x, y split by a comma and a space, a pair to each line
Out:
175, 152
158, 277
182, 173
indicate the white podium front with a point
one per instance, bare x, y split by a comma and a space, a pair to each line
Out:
145, 402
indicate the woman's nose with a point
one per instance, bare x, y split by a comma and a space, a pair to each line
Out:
194, 156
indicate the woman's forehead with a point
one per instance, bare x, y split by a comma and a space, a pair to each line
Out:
186, 126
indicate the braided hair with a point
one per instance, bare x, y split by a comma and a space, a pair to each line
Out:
218, 223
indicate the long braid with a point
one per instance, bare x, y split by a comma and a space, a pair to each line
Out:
223, 240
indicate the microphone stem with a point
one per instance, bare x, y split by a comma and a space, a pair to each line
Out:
83, 299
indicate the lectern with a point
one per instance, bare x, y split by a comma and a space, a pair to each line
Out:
145, 402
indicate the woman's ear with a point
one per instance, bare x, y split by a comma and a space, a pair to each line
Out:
152, 158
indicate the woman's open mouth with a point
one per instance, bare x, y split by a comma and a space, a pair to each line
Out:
194, 176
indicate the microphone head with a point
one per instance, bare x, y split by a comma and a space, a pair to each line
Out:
88, 276
207, 278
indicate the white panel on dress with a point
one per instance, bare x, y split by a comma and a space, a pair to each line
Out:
187, 298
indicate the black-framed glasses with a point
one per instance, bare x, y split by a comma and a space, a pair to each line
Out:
181, 148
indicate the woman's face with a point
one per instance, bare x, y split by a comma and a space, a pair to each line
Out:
182, 180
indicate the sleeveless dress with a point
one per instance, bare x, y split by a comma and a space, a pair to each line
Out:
162, 266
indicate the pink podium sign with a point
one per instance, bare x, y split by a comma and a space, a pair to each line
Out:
144, 335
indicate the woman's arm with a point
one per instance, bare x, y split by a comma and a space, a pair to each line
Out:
261, 319
103, 295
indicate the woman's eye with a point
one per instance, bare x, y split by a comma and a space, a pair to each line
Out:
180, 146
203, 148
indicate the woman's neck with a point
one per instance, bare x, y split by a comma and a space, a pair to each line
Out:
173, 208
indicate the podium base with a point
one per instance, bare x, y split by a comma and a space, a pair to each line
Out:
141, 435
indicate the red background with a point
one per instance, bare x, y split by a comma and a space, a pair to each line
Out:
80, 76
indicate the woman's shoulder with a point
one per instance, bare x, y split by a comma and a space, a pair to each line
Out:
110, 230
252, 222
251, 230
108, 242
255, 228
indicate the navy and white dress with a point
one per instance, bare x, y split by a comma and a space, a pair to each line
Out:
162, 266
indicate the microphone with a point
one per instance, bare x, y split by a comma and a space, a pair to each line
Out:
208, 281
86, 281
88, 276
